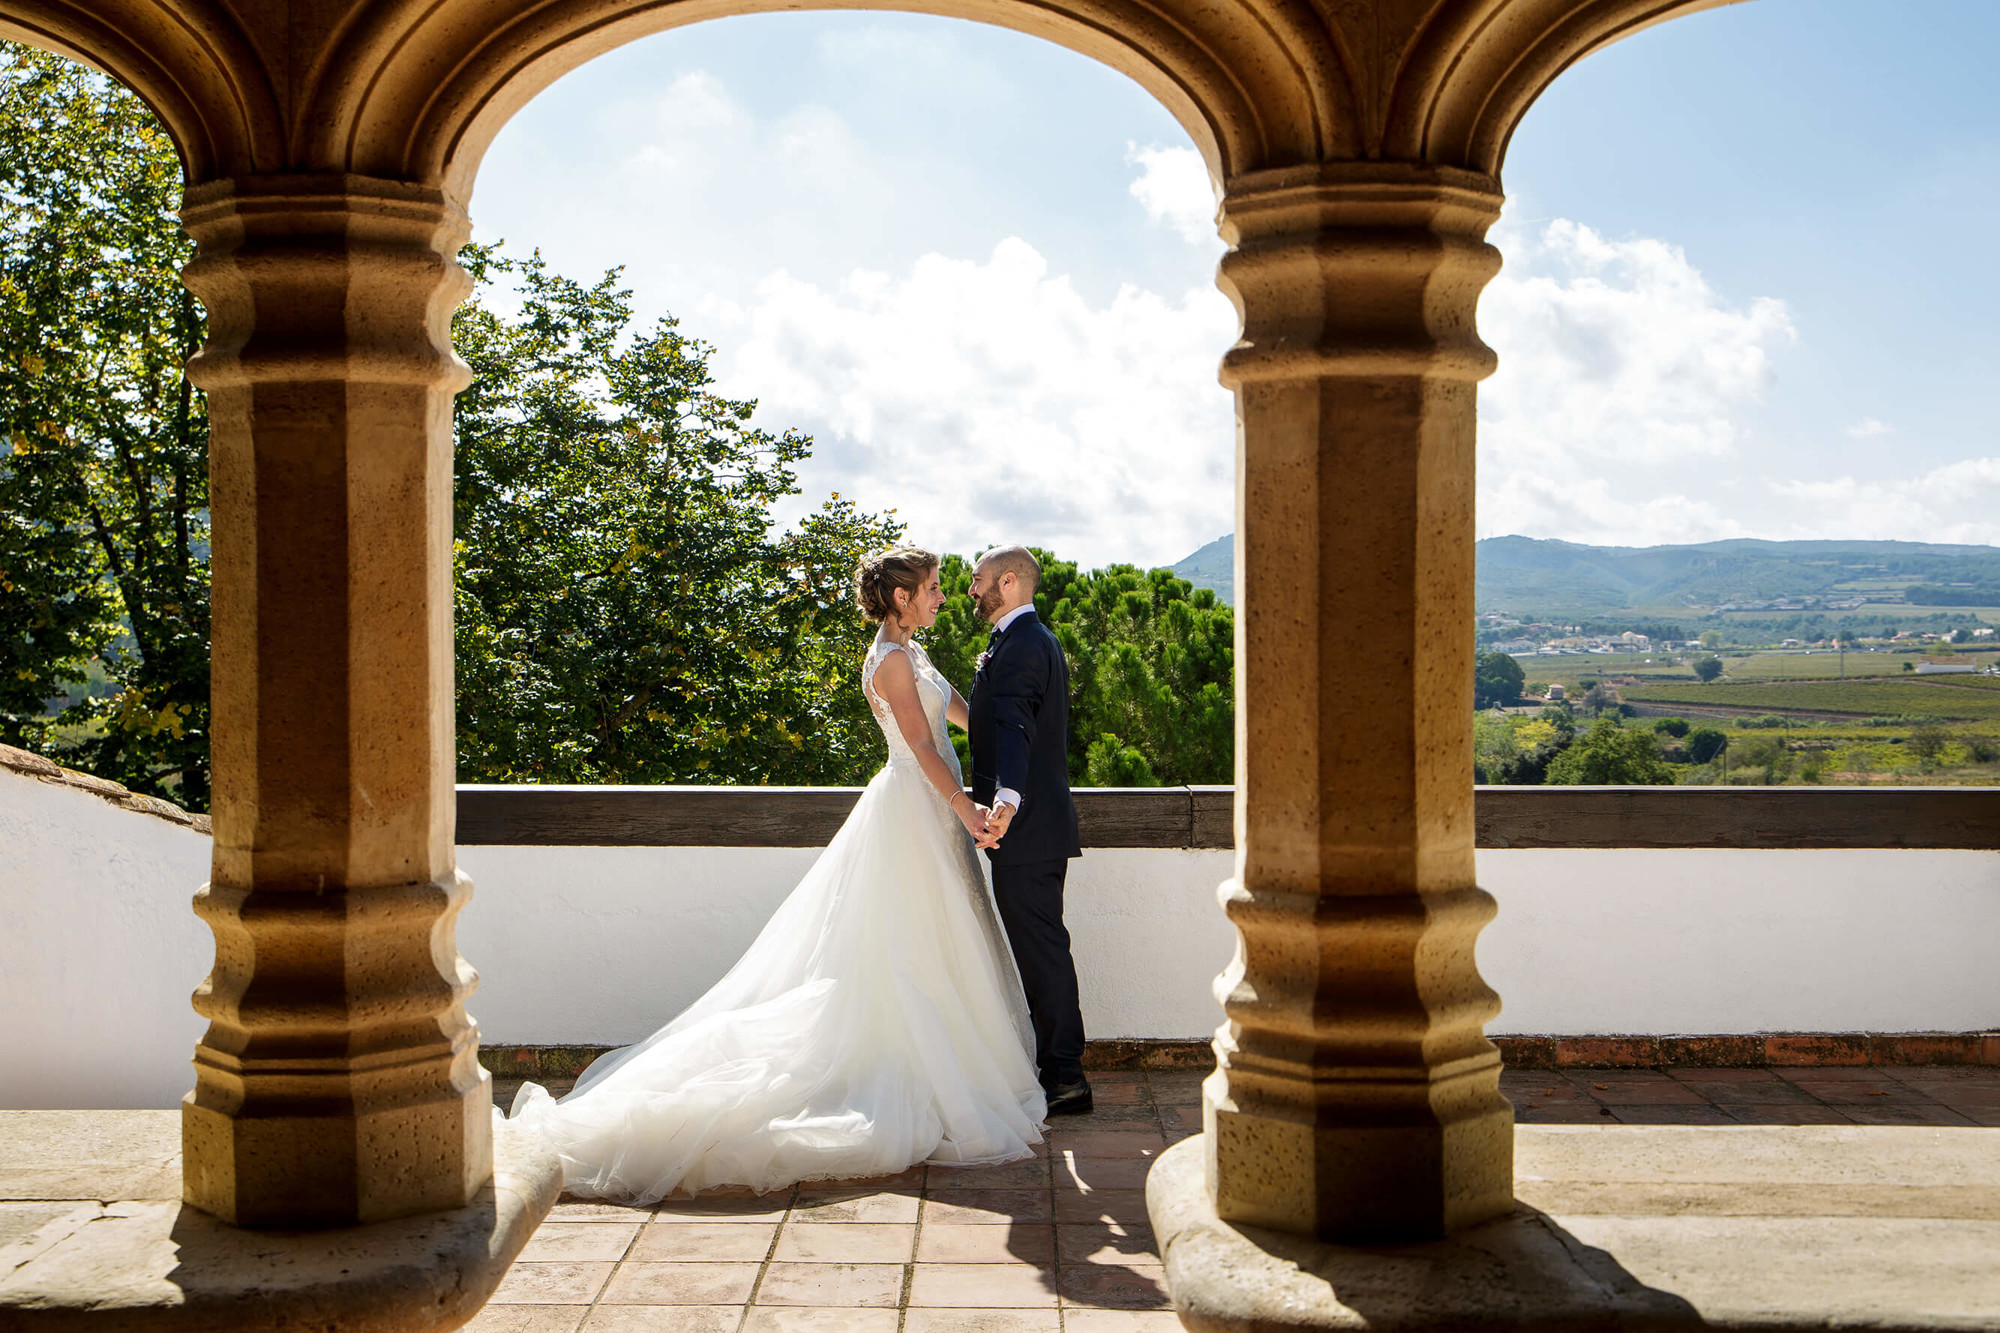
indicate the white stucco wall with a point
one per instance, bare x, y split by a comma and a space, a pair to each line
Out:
603, 944
101, 950
599, 945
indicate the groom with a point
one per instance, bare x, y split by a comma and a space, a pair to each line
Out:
1019, 728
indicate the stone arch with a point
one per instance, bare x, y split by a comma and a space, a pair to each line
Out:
193, 64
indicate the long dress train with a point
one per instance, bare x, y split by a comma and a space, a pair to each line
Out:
876, 1022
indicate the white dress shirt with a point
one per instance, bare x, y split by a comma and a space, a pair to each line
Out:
1007, 795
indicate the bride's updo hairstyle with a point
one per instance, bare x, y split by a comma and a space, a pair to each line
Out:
880, 574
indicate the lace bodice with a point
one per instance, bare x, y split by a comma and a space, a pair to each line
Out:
933, 691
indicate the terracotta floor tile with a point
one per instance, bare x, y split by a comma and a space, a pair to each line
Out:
552, 1284
1120, 1321
1906, 1113
983, 1286
1132, 1287
1108, 1089
1626, 1091
846, 1243
1692, 1074
1974, 1074
1031, 1174
597, 1212
705, 1243
1563, 1113
1770, 1091
583, 1241
987, 1206
1980, 1115
911, 1180
1031, 1243
869, 1207
1076, 1172
845, 1286
1959, 1094
1124, 1207
527, 1319
818, 1319
664, 1319
680, 1284
1767, 1113
921, 1320
677, 1211
1100, 1244
1107, 1143
1699, 1114
1829, 1073
1542, 1090
1853, 1092
1182, 1117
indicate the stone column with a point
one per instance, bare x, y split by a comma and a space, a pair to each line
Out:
338, 1081
1356, 1097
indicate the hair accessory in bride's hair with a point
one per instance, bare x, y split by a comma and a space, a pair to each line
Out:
878, 576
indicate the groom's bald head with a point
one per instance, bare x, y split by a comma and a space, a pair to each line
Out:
1004, 578
1015, 560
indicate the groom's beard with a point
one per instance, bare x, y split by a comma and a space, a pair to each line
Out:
989, 604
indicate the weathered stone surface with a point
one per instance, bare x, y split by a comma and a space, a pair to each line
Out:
152, 1262
1751, 1227
338, 1080
89, 1155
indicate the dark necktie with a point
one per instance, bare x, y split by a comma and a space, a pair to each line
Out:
992, 640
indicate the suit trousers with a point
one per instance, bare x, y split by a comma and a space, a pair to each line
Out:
1030, 898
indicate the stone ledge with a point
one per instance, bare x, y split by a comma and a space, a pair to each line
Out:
30, 764
1763, 1227
93, 1237
1750, 1050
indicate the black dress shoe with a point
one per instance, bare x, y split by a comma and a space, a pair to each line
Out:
1070, 1099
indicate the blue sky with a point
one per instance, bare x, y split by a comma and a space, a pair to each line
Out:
1745, 292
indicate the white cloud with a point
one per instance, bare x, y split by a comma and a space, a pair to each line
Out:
1868, 427
1620, 367
989, 401
1959, 502
1175, 189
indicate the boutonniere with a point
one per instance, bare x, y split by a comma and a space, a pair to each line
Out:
980, 664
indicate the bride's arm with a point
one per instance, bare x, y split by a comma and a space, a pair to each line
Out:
956, 710
896, 683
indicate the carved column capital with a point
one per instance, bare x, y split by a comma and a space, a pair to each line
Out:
338, 1080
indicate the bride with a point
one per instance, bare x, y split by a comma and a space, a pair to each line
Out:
876, 1022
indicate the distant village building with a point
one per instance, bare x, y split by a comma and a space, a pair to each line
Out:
1945, 668
1556, 694
1516, 646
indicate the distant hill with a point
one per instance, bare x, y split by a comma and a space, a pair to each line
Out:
1213, 566
1525, 575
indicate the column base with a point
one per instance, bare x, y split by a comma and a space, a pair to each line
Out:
1804, 1227
147, 1262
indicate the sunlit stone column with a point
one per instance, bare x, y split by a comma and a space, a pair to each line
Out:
1356, 1097
338, 1080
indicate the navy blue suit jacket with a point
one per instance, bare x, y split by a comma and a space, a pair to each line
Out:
1018, 725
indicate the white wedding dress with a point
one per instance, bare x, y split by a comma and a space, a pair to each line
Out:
876, 1022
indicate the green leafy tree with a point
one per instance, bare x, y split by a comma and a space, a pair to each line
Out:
1704, 744
1151, 660
1707, 668
1676, 727
1610, 756
1496, 679
1711, 639
1927, 742
625, 610
104, 484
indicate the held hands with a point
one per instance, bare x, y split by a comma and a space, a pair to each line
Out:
975, 817
986, 826
997, 821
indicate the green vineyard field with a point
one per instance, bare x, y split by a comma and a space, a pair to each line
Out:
1866, 698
